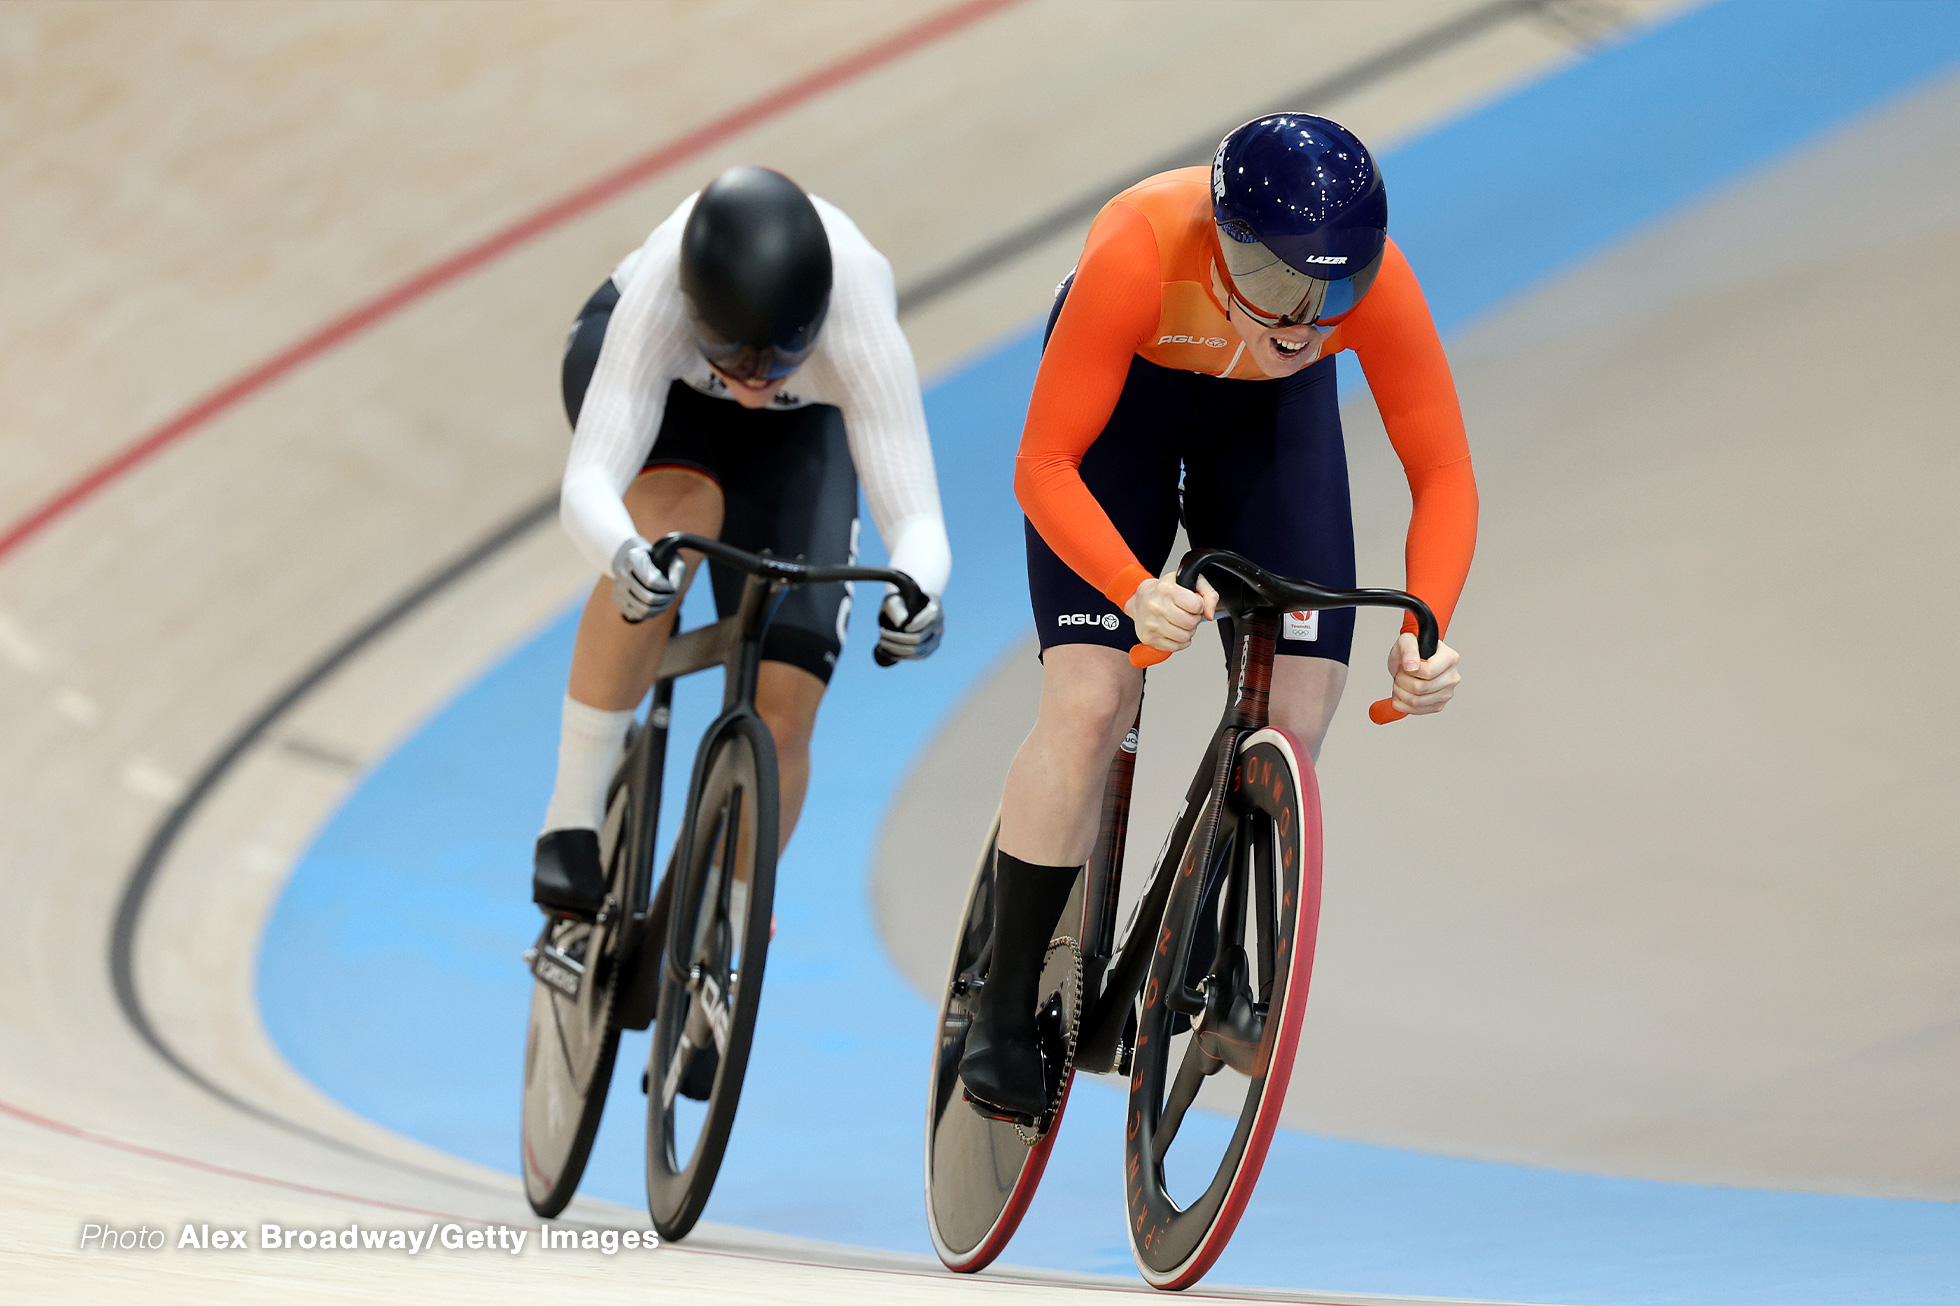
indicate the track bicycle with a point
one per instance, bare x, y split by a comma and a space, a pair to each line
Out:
1206, 992
686, 958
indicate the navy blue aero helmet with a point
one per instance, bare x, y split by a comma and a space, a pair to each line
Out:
1302, 217
755, 272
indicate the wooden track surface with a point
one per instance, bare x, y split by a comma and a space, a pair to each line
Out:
194, 187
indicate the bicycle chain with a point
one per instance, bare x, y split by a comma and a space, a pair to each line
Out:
1072, 1029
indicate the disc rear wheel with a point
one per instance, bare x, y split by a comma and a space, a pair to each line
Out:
981, 1173
574, 1033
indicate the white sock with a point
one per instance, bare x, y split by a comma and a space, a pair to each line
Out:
588, 748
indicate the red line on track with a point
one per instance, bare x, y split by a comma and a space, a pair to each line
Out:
209, 1167
431, 279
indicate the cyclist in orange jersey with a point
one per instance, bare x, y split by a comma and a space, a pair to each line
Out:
1189, 377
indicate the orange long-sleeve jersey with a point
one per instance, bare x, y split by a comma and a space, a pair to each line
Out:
1150, 283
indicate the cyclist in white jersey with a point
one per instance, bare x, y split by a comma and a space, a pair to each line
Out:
733, 378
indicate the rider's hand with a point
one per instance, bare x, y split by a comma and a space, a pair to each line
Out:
641, 589
909, 640
1421, 687
1166, 613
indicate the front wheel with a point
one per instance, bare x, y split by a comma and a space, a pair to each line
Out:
1222, 1033
711, 982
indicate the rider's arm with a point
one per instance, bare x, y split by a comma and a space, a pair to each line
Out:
864, 365
1392, 334
1111, 310
648, 344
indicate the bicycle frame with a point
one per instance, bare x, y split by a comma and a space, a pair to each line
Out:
1113, 980
735, 644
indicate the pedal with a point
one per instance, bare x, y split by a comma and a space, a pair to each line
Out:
698, 1076
1036, 1123
1126, 1044
562, 972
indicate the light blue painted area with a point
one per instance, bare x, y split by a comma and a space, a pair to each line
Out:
1520, 190
390, 977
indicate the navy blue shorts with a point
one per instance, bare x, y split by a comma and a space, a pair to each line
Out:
1258, 467
788, 487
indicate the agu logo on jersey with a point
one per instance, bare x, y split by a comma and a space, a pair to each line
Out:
1106, 620
1300, 625
1209, 342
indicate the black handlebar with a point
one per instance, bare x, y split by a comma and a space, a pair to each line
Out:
1294, 595
791, 573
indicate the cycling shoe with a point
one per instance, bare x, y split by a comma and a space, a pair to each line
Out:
566, 876
1005, 1078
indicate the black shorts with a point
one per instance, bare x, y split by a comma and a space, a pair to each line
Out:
787, 483
1258, 467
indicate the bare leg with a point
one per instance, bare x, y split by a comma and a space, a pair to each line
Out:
613, 660
786, 698
1305, 693
1048, 810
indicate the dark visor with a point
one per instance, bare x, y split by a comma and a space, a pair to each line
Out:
746, 362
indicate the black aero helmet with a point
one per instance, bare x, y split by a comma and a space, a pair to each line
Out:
755, 271
1302, 217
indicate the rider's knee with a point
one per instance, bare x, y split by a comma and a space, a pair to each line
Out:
1090, 703
674, 499
1305, 692
792, 737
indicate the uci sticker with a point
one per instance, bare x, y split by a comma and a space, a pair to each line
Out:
1301, 626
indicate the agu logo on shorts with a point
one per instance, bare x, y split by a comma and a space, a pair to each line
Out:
1106, 620
1300, 626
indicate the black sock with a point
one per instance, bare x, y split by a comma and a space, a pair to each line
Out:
1028, 901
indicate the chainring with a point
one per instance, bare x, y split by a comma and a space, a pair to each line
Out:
1057, 1026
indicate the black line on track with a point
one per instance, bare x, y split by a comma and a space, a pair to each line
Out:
1358, 76
122, 938
987, 258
